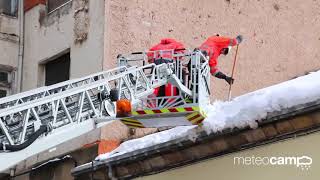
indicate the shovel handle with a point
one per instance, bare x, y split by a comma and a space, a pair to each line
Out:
232, 73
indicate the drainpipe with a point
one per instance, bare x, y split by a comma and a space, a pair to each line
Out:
21, 46
12, 172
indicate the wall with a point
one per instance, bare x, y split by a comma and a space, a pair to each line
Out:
9, 32
9, 45
76, 27
282, 38
224, 168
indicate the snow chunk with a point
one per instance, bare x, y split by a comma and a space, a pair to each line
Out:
247, 109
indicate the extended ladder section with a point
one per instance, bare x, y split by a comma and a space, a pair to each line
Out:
42, 92
75, 101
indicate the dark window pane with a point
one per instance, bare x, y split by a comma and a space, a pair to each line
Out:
3, 93
53, 4
4, 77
57, 70
9, 7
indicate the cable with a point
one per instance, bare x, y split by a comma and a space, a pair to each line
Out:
7, 147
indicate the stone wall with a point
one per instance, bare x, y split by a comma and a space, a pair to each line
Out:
282, 38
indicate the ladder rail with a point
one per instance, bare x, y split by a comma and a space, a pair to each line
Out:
54, 109
44, 91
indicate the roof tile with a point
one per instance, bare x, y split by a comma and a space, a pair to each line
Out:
157, 162
315, 117
173, 157
237, 141
269, 131
254, 135
301, 122
284, 127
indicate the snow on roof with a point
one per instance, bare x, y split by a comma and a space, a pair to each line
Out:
245, 110
149, 140
241, 112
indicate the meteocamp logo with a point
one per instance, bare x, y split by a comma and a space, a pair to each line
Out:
301, 162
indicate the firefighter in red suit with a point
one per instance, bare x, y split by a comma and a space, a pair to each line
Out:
213, 47
162, 53
168, 46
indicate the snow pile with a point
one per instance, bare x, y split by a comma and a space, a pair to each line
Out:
246, 109
240, 112
150, 140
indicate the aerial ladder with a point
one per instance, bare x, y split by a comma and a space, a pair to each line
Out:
35, 114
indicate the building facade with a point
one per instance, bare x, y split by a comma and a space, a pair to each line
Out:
60, 40
80, 37
63, 40
9, 47
281, 39
43, 42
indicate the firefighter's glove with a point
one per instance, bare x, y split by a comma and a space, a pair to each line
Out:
230, 80
239, 39
221, 75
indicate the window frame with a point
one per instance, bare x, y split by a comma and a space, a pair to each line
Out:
9, 82
7, 91
8, 77
42, 66
15, 14
7, 86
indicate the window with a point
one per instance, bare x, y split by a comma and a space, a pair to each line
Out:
54, 4
5, 83
9, 7
4, 78
3, 93
57, 70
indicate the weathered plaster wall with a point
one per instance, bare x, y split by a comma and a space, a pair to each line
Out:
9, 25
77, 26
9, 41
282, 38
9, 49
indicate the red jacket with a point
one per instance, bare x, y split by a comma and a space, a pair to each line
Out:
165, 44
213, 45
